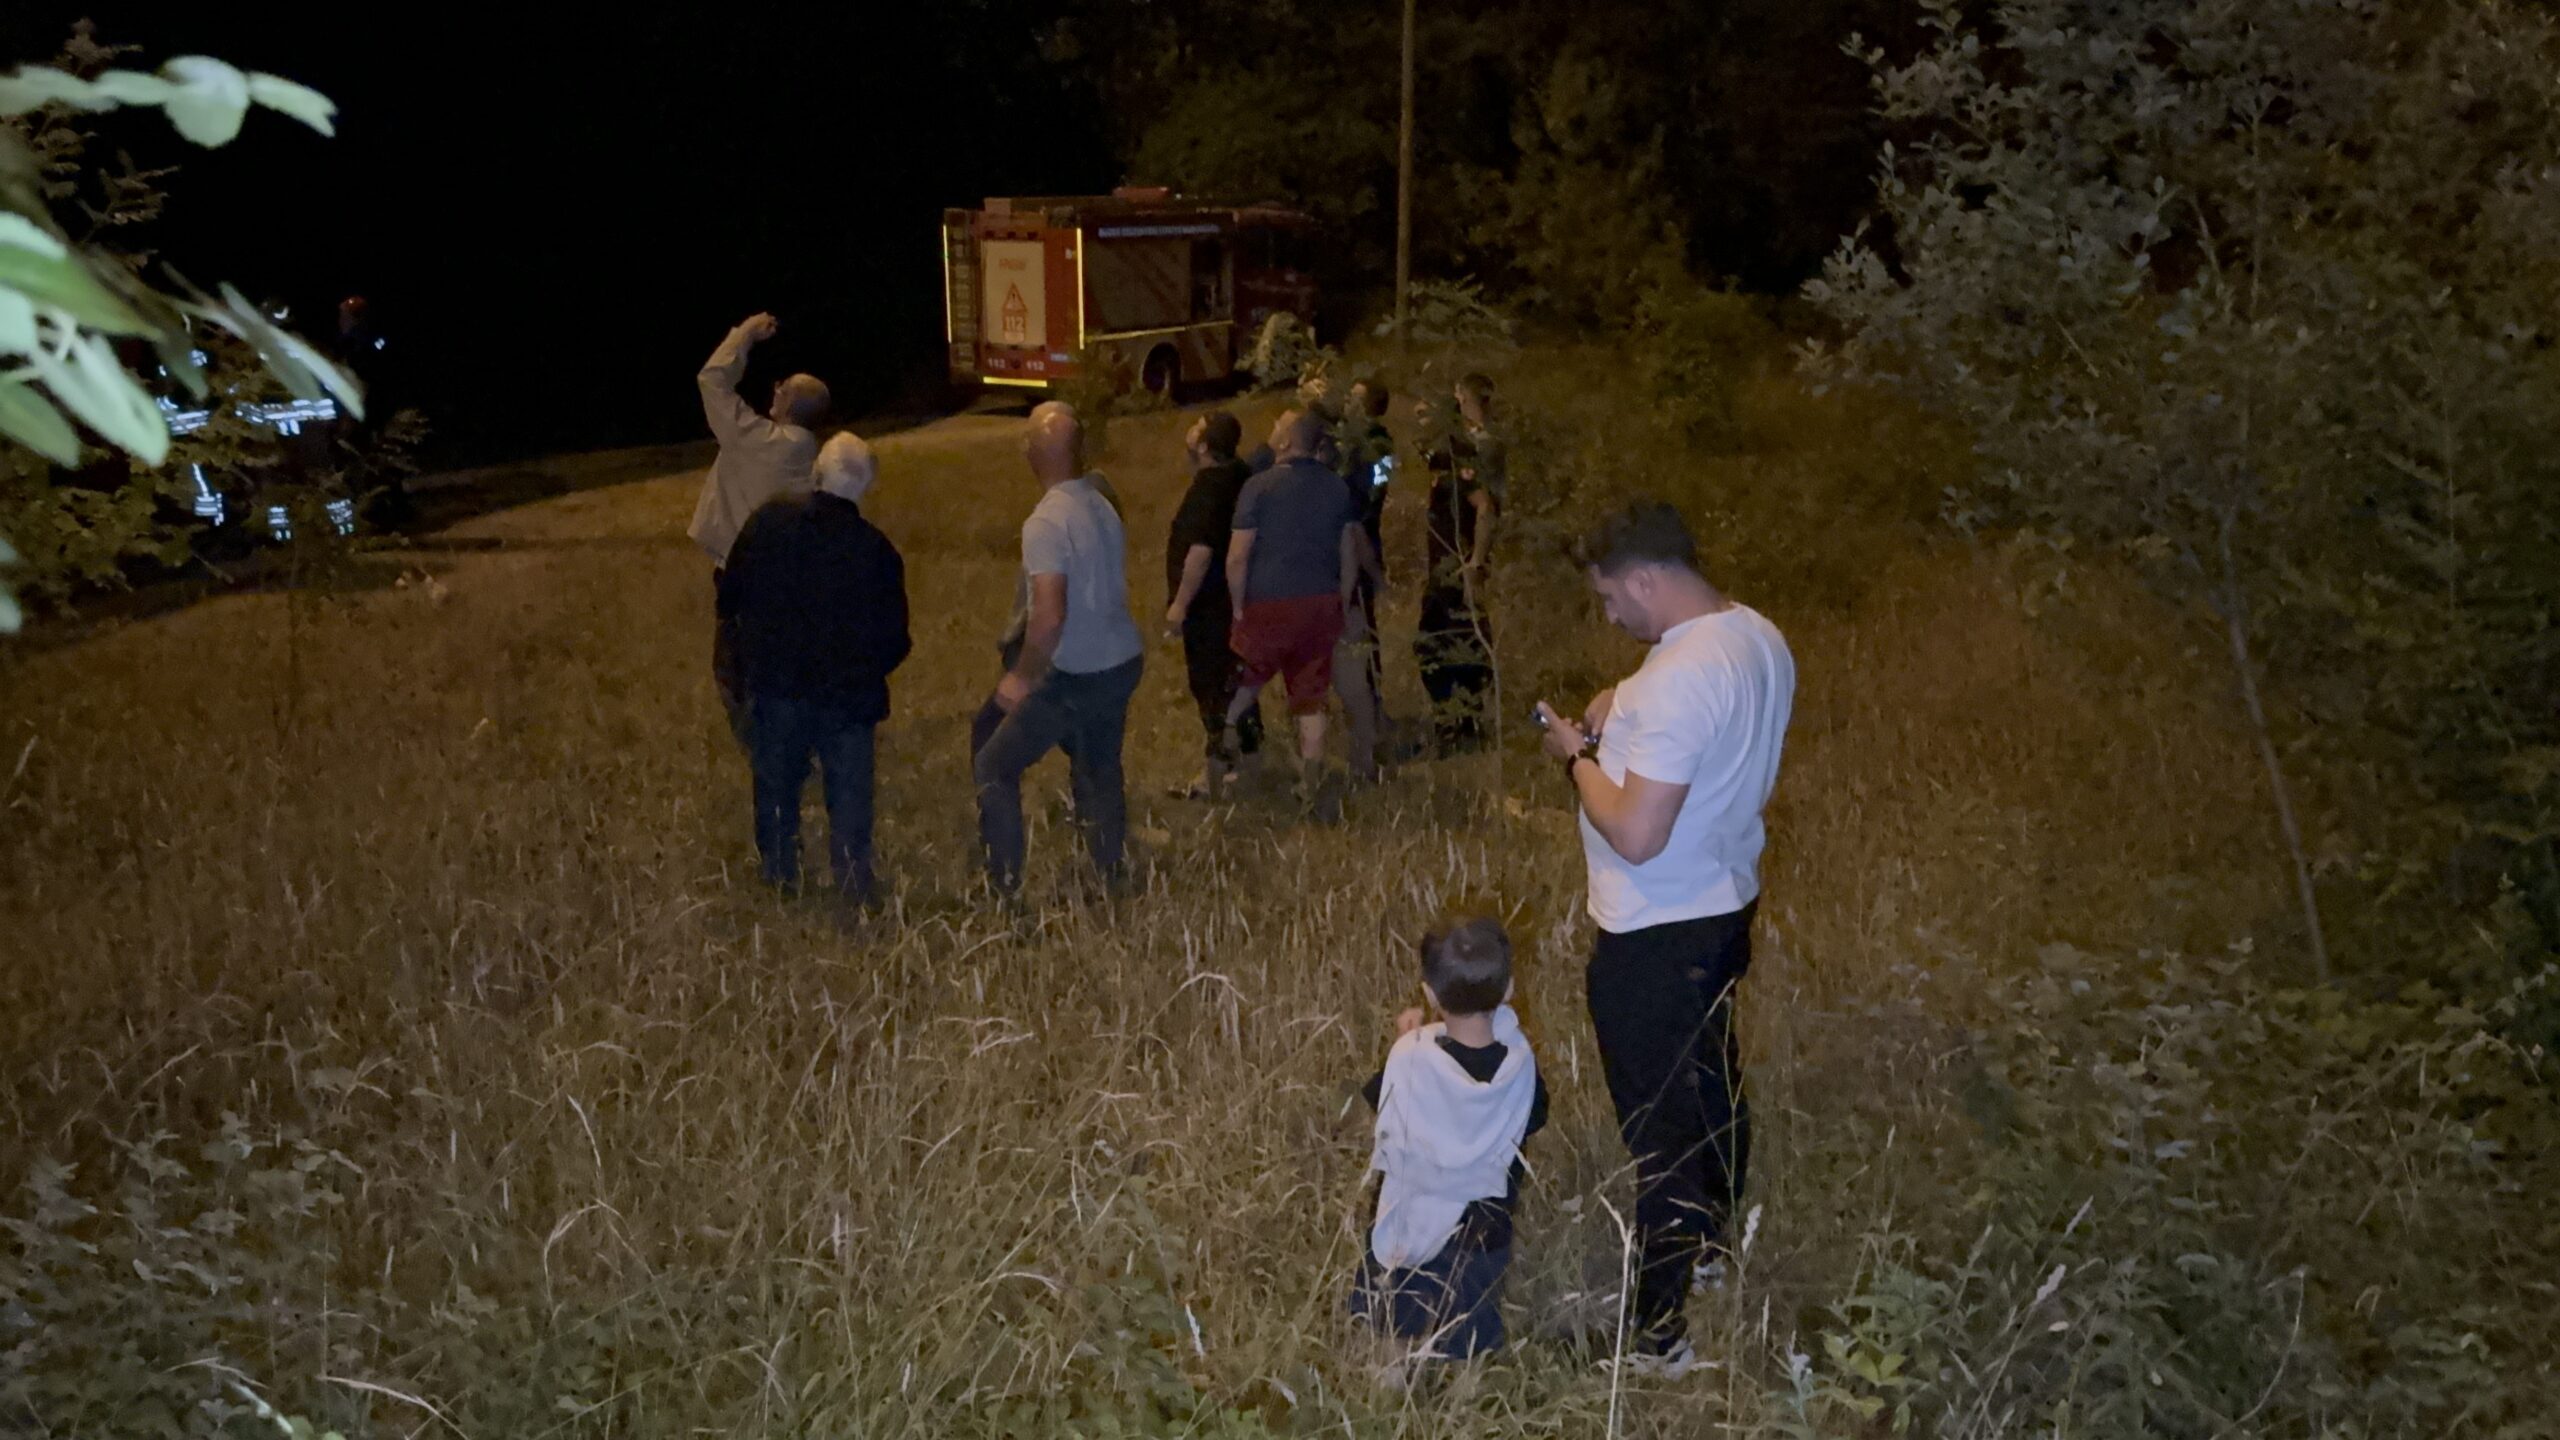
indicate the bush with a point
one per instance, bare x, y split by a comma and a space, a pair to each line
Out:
2184, 1191
2256, 298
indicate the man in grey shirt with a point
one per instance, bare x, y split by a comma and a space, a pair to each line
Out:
1070, 672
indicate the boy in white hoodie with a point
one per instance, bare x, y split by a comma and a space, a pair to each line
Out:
1454, 1103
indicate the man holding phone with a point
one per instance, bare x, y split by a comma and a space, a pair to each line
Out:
1671, 768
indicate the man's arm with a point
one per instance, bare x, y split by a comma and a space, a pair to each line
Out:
1486, 509
730, 416
1195, 573
1239, 560
1040, 636
1359, 558
1636, 817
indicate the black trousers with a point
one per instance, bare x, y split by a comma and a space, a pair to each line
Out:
1452, 645
1087, 716
1211, 670
783, 735
1662, 1009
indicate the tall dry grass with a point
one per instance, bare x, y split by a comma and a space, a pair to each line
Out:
416, 1048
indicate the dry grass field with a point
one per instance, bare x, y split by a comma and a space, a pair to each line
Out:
394, 1027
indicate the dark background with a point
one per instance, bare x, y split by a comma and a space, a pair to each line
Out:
555, 219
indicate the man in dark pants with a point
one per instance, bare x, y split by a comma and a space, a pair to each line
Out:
816, 598
1071, 662
1196, 584
1453, 639
1672, 767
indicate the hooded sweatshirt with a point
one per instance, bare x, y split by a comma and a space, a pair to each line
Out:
1444, 1139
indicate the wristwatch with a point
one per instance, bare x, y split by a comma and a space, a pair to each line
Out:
1590, 751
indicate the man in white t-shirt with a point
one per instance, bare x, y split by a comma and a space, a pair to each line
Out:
1671, 768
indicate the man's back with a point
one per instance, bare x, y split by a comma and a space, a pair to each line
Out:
819, 597
760, 458
1297, 511
1076, 533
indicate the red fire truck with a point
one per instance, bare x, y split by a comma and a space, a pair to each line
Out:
1162, 290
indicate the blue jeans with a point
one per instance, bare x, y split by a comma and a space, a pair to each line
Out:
1453, 1300
1085, 715
783, 736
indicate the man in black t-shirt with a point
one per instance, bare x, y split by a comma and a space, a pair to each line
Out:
1199, 609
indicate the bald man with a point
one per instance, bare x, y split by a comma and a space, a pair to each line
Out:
1072, 659
761, 457
1296, 551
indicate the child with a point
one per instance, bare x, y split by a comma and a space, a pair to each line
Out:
1454, 1103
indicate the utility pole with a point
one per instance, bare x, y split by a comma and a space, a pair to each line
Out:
1404, 186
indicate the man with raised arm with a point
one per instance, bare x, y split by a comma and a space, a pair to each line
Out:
762, 457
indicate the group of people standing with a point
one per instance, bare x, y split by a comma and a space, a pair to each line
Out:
1273, 571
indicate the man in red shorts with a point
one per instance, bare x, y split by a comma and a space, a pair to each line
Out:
1297, 549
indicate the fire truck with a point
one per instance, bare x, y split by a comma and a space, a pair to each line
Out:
1139, 284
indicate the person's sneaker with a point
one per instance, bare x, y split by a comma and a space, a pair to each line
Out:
1647, 1363
1707, 1275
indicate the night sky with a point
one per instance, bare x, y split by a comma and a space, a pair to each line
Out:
555, 219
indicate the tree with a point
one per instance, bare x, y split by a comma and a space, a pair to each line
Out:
2254, 293
65, 305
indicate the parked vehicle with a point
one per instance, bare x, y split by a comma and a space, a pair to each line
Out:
1165, 291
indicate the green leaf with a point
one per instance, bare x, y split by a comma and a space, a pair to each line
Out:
207, 100
95, 388
34, 86
299, 101
17, 323
63, 282
26, 234
31, 420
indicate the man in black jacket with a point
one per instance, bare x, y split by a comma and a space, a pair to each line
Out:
818, 598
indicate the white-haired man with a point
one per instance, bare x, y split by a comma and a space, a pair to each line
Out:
816, 597
761, 457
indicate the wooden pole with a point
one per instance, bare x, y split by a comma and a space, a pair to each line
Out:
1404, 185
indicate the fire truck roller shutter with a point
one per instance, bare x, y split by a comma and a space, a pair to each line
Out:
1138, 284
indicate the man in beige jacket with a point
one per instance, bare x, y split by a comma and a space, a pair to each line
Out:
762, 457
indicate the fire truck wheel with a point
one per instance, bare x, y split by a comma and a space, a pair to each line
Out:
1162, 373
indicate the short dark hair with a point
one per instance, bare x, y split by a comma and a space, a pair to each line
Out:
1375, 393
1649, 532
1477, 386
1466, 960
1221, 433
